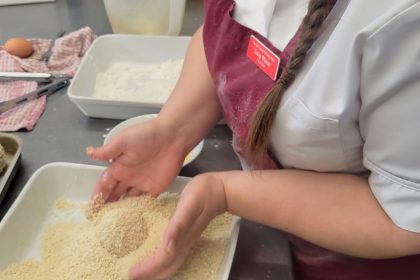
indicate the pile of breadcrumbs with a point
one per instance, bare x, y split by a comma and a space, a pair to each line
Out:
115, 237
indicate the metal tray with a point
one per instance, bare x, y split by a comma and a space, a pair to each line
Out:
12, 145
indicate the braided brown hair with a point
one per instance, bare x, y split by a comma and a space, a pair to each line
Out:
259, 133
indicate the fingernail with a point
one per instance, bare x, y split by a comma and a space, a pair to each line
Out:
171, 246
105, 176
90, 150
105, 179
106, 196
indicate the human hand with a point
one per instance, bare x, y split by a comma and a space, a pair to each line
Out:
145, 158
202, 199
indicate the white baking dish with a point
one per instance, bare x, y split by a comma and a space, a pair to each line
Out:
107, 50
21, 227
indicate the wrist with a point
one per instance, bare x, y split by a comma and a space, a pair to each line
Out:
175, 134
172, 136
214, 192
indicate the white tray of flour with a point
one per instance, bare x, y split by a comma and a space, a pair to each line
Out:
123, 76
23, 225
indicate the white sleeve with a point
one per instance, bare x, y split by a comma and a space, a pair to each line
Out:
390, 116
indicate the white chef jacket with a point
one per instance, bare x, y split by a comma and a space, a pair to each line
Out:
355, 105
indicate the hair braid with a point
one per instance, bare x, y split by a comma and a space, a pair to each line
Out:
259, 133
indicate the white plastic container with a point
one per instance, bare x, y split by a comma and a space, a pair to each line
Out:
150, 17
22, 226
107, 50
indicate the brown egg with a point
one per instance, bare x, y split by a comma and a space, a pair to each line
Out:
19, 47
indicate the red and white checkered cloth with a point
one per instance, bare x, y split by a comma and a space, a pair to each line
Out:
65, 59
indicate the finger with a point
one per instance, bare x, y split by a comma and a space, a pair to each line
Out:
112, 197
134, 192
106, 152
150, 186
105, 185
186, 221
162, 265
182, 232
118, 192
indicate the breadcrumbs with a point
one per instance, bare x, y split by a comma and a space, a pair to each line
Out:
94, 205
121, 231
117, 236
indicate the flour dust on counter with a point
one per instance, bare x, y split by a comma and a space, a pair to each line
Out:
142, 82
115, 237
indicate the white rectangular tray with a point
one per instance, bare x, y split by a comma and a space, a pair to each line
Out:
21, 227
109, 49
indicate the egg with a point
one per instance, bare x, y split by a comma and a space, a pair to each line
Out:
19, 47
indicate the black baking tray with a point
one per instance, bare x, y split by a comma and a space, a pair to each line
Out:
12, 145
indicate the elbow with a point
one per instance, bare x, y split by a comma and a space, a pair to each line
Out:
409, 242
404, 243
393, 243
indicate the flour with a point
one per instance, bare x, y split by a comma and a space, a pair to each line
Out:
141, 82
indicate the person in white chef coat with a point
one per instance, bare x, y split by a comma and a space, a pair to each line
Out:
322, 98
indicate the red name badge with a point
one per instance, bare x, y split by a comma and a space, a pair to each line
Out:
263, 57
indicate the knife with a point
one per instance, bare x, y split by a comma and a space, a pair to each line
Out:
45, 90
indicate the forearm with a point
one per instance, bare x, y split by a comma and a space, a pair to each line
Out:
335, 211
193, 107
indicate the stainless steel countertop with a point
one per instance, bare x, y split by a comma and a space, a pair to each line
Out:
262, 252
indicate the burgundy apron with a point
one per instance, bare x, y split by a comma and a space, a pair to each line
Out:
241, 86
